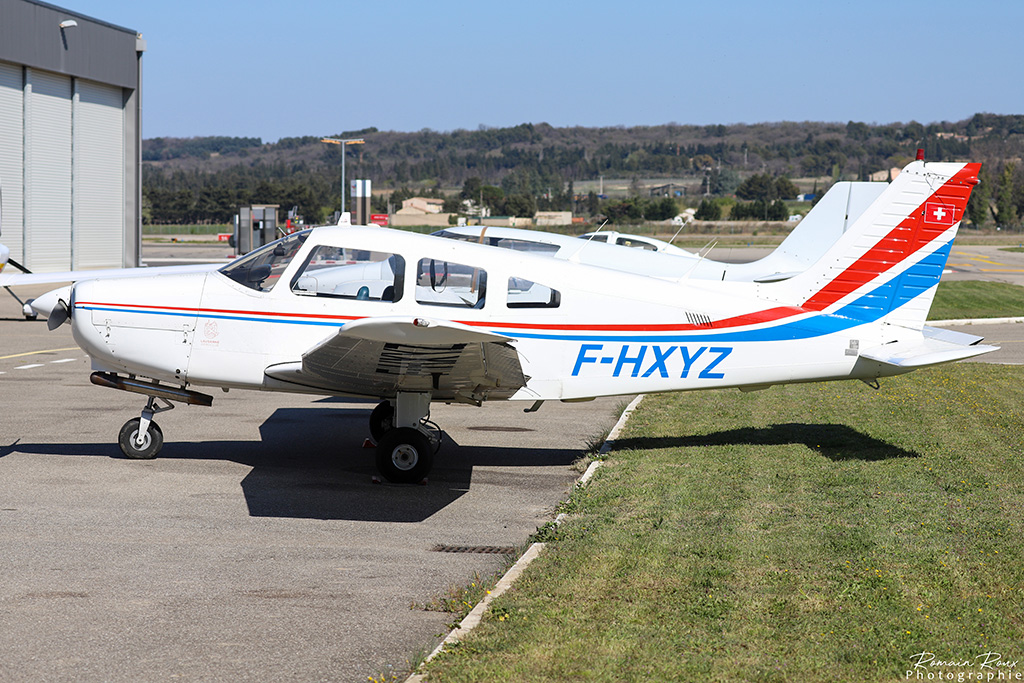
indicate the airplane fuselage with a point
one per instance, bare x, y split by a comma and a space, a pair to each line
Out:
594, 332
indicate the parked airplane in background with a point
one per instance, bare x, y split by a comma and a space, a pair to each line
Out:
635, 241
832, 216
412, 319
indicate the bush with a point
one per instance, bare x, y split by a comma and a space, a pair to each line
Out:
708, 211
760, 211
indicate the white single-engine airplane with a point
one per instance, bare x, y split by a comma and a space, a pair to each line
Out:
412, 319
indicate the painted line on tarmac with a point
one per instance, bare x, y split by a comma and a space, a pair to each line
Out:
33, 353
473, 619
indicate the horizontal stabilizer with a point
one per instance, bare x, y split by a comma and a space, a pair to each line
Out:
938, 346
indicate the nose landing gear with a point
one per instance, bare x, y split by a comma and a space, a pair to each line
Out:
140, 438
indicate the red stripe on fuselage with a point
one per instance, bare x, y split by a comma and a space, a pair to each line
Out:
141, 308
746, 319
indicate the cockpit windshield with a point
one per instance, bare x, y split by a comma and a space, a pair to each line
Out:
262, 268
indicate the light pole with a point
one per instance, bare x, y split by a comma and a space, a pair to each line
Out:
343, 143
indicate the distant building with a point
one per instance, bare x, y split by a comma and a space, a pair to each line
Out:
420, 211
885, 176
504, 222
70, 138
670, 190
420, 206
471, 208
543, 218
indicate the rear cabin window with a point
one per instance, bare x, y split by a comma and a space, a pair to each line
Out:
443, 283
523, 293
502, 243
344, 273
638, 244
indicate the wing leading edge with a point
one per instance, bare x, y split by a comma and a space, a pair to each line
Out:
383, 356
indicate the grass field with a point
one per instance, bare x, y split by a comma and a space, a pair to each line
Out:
976, 299
822, 532
185, 229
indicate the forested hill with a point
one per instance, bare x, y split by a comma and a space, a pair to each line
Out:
205, 179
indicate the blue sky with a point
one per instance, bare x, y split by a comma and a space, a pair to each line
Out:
280, 69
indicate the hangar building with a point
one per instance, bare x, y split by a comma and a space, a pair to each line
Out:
70, 138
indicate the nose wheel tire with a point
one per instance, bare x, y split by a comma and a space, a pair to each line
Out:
382, 420
404, 455
151, 443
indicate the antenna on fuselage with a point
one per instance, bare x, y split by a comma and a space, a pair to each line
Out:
700, 257
575, 256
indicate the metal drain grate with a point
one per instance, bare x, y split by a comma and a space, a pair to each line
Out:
478, 549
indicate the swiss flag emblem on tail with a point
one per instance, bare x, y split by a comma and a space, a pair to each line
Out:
943, 214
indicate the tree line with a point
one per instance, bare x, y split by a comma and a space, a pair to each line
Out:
536, 165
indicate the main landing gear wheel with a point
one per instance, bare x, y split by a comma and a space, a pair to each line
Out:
404, 455
382, 420
151, 443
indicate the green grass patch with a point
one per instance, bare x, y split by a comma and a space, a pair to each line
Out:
818, 532
186, 229
976, 299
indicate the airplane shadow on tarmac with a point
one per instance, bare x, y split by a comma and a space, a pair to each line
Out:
310, 463
834, 441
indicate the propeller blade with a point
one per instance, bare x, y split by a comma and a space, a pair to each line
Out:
60, 314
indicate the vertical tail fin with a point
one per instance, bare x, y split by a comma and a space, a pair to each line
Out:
889, 261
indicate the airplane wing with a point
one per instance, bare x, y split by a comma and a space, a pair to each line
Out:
12, 279
938, 346
382, 356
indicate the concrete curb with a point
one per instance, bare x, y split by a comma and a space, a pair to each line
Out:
473, 619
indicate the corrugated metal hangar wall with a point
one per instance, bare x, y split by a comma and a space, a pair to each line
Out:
70, 138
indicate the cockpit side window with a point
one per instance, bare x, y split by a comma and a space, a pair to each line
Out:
523, 293
262, 268
346, 273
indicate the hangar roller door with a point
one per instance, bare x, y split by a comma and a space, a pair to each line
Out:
12, 135
48, 171
98, 176
62, 164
